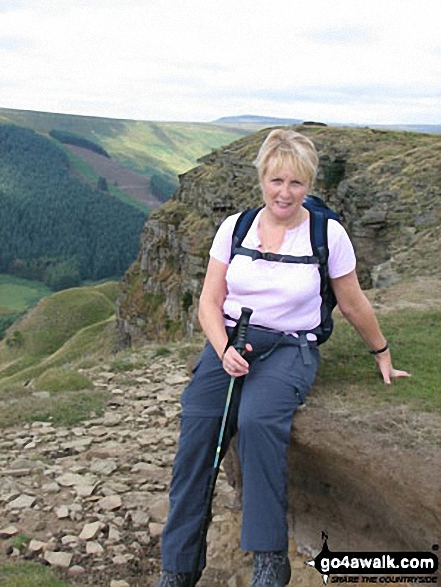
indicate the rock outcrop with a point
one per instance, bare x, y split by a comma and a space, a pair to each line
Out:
384, 184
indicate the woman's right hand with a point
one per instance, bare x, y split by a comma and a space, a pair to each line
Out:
233, 362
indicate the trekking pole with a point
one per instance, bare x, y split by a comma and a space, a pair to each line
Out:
239, 345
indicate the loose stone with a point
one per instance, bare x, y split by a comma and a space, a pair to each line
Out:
62, 512
36, 546
155, 529
90, 531
76, 570
8, 532
22, 502
110, 503
58, 559
94, 548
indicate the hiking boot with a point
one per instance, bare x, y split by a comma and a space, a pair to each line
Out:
271, 569
169, 579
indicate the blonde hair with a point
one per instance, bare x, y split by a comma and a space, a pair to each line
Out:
284, 146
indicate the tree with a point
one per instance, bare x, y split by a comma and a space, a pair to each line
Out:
101, 184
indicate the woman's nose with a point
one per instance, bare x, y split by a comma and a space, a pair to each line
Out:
284, 189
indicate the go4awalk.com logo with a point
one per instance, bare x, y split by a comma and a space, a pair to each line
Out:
380, 567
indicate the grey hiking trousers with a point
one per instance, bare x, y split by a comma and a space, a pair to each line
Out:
281, 375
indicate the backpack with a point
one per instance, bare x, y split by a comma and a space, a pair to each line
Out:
319, 214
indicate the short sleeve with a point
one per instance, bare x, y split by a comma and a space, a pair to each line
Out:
221, 246
341, 252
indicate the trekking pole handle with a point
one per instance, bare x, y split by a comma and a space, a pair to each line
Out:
242, 329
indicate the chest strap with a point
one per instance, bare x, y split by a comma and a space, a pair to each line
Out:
276, 257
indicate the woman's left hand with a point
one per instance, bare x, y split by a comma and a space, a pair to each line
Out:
384, 363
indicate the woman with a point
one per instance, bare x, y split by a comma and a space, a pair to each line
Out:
285, 298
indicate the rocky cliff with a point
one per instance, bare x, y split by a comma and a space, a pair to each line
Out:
386, 186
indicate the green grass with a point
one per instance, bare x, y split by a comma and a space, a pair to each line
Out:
63, 408
414, 338
28, 574
163, 351
18, 294
121, 365
69, 402
167, 147
62, 379
110, 289
20, 541
66, 327
6, 320
96, 341
58, 317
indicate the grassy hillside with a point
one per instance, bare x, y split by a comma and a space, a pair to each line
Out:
414, 334
63, 327
167, 148
16, 296
45, 350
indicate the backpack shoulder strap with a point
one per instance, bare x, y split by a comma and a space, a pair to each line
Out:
318, 224
241, 228
319, 245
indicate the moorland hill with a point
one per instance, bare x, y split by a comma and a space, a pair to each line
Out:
64, 327
158, 151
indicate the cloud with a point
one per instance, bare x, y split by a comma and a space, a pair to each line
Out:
342, 36
10, 5
198, 60
333, 103
13, 44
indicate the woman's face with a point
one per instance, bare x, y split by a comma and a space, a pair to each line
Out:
283, 193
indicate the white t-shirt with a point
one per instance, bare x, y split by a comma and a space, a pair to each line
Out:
283, 296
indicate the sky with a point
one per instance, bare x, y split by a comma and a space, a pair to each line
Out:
352, 61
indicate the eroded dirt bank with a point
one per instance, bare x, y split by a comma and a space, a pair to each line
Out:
367, 479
